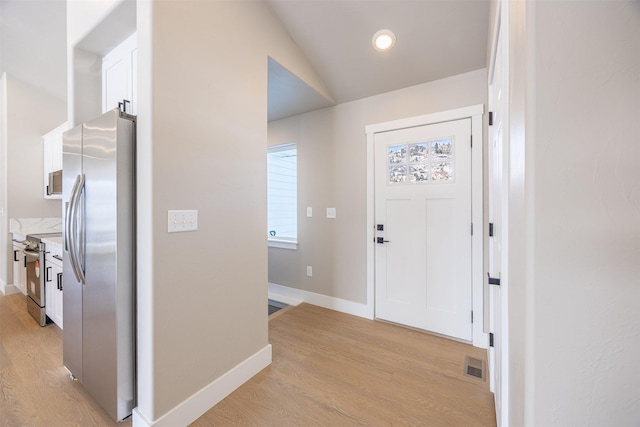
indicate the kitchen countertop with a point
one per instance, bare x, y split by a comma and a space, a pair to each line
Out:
24, 226
19, 236
56, 240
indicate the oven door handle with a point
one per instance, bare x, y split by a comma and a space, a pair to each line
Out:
31, 255
72, 227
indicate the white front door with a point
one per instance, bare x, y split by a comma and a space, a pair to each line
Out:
423, 227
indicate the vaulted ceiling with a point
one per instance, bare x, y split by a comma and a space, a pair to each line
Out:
435, 39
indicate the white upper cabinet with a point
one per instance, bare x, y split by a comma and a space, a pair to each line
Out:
52, 156
119, 76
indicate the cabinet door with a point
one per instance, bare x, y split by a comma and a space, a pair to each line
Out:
23, 273
57, 299
47, 163
119, 76
56, 148
53, 289
49, 290
52, 155
19, 273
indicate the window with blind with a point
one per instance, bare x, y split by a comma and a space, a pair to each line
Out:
282, 195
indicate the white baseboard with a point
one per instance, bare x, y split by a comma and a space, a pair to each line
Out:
8, 289
293, 296
199, 403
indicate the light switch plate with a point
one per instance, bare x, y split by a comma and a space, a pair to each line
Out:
179, 221
331, 212
309, 212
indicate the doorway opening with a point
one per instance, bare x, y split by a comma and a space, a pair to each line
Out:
427, 150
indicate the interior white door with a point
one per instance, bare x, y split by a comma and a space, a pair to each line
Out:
496, 155
423, 227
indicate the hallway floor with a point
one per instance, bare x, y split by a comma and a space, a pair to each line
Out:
333, 369
328, 368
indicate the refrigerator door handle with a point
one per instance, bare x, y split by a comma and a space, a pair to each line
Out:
67, 217
78, 231
81, 228
68, 230
72, 227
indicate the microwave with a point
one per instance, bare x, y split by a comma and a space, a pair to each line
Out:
55, 183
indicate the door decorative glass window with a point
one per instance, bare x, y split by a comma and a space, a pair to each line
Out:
422, 161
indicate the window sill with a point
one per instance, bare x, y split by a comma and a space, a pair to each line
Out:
283, 244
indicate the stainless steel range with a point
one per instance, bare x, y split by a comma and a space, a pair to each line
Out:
34, 253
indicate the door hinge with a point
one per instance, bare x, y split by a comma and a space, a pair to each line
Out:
471, 139
490, 118
493, 280
490, 229
472, 229
490, 339
471, 316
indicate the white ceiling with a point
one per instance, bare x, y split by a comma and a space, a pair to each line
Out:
33, 43
435, 39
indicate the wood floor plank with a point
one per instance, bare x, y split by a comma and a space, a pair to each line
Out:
35, 389
332, 369
329, 369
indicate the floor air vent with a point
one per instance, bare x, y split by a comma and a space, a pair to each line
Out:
474, 367
275, 306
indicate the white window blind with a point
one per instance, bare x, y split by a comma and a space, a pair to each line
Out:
282, 192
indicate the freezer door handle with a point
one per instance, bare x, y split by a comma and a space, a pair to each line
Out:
68, 235
72, 228
67, 228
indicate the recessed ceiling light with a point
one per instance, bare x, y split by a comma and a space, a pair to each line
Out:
384, 40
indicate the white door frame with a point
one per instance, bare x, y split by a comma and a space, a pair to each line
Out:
501, 29
475, 113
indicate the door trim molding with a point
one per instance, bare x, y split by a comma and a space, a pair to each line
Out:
474, 112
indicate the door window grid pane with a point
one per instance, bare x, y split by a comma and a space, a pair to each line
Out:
423, 161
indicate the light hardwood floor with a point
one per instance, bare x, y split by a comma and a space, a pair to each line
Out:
329, 369
35, 389
333, 369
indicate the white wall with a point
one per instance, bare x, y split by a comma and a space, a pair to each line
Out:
4, 220
574, 213
29, 113
587, 213
332, 172
202, 140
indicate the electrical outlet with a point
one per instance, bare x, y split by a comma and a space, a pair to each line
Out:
331, 212
179, 221
309, 271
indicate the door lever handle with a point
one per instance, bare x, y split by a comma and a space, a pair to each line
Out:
381, 240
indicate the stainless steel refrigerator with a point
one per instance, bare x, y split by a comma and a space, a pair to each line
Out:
98, 195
